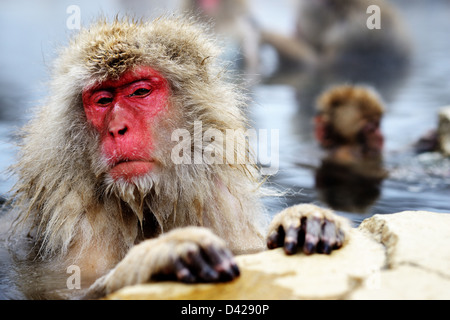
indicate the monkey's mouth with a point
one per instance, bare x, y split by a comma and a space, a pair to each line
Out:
127, 169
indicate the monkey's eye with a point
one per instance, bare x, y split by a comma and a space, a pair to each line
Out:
140, 92
104, 101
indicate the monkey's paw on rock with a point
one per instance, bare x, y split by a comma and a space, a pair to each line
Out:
308, 227
398, 256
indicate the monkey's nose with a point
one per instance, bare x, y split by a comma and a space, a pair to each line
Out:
118, 131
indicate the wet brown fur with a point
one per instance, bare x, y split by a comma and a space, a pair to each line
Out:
345, 109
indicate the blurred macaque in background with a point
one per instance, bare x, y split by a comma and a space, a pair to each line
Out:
429, 142
348, 122
333, 42
233, 21
348, 127
338, 35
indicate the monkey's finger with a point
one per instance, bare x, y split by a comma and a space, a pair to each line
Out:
199, 266
230, 269
217, 257
272, 241
327, 237
276, 239
291, 240
312, 234
182, 272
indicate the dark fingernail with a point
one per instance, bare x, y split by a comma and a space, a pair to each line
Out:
290, 248
281, 234
226, 275
309, 248
272, 241
326, 248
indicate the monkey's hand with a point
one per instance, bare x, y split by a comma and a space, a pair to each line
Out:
308, 227
189, 255
195, 255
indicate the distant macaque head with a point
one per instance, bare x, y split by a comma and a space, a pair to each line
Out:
349, 115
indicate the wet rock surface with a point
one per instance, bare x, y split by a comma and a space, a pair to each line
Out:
398, 256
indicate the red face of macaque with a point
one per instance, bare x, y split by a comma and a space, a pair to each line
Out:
123, 111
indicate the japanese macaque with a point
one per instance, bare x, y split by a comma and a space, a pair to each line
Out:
98, 187
234, 22
336, 34
349, 117
348, 125
429, 142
